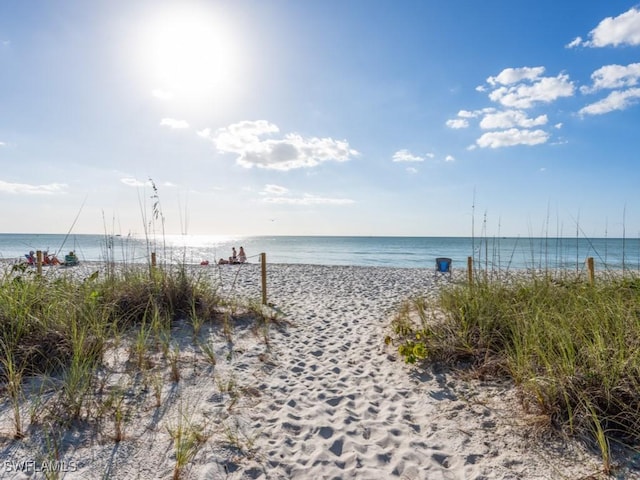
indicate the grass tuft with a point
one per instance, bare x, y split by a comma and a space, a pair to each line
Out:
572, 348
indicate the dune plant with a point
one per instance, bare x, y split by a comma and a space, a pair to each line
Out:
174, 363
114, 405
188, 437
156, 384
13, 374
207, 348
237, 437
570, 346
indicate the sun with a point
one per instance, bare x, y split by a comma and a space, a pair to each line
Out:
189, 51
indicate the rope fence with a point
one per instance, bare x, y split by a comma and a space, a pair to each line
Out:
39, 262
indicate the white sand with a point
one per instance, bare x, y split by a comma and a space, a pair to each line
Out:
326, 399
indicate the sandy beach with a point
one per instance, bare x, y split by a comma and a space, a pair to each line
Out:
318, 396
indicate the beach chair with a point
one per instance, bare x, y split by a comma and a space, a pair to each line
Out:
443, 266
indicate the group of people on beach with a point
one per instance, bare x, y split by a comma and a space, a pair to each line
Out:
70, 259
236, 257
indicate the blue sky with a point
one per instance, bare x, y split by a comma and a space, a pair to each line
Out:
320, 117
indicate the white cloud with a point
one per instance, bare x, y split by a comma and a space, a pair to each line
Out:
464, 115
133, 182
308, 199
406, 156
275, 190
614, 76
2, 144
205, 133
286, 153
576, 42
467, 114
277, 194
449, 158
457, 123
616, 100
511, 118
173, 123
27, 189
526, 95
517, 90
412, 170
512, 137
613, 31
509, 76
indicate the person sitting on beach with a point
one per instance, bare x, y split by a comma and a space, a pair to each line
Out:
71, 259
31, 257
49, 259
234, 256
242, 257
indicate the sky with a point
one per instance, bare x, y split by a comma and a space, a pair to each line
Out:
320, 117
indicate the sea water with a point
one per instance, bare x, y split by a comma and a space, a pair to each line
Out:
511, 253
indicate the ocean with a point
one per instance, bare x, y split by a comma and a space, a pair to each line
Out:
512, 253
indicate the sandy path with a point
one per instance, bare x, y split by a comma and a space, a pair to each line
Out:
340, 405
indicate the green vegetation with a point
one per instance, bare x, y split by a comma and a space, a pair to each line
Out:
93, 353
571, 347
63, 324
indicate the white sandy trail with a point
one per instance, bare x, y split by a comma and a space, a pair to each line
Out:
340, 404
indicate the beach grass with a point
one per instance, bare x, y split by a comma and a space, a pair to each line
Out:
571, 347
60, 327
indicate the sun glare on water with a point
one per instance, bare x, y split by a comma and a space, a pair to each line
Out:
188, 52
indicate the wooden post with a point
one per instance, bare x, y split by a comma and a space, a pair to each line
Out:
263, 263
470, 269
39, 261
591, 269
153, 259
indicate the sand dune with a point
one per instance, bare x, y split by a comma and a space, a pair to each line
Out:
325, 399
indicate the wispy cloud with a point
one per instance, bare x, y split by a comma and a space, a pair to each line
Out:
271, 189
510, 118
512, 137
406, 156
616, 100
458, 123
255, 146
509, 76
308, 199
614, 77
134, 182
277, 194
613, 31
27, 189
173, 123
622, 80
